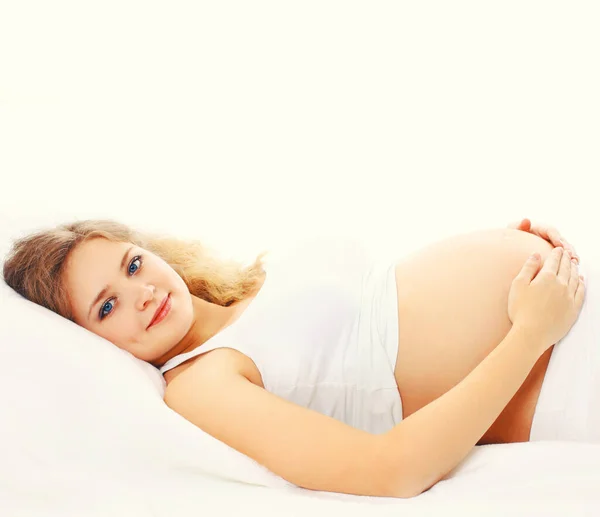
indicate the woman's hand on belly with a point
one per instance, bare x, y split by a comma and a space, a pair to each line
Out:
453, 307
546, 299
546, 232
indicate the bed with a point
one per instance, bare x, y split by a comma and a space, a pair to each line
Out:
85, 432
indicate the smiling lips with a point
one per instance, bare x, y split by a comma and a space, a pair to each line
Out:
162, 311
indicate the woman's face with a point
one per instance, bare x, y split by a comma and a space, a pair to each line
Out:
137, 281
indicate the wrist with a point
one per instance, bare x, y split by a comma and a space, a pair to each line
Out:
534, 340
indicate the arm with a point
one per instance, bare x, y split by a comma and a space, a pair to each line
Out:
317, 452
304, 447
442, 433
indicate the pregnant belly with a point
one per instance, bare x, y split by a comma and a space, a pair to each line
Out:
452, 312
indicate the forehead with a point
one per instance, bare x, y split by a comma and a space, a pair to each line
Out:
99, 251
92, 265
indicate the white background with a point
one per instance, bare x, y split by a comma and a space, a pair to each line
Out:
251, 123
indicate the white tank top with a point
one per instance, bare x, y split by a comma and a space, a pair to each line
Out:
312, 332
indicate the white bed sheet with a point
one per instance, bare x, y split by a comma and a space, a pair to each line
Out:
85, 432
541, 479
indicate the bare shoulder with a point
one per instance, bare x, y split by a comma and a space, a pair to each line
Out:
222, 362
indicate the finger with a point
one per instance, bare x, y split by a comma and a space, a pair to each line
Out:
529, 269
554, 237
552, 262
569, 247
574, 280
523, 224
580, 294
564, 270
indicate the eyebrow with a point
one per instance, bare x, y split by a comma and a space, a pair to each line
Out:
106, 287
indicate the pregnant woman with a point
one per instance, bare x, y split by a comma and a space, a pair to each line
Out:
335, 373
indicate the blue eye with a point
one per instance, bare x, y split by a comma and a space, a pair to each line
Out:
137, 258
131, 264
102, 313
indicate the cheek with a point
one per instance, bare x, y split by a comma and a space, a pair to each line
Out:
120, 329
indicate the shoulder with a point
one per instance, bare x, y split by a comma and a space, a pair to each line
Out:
221, 362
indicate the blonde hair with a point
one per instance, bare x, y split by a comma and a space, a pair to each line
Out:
35, 265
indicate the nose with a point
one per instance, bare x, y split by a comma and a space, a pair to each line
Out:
145, 297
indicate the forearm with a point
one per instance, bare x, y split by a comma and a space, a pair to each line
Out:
432, 441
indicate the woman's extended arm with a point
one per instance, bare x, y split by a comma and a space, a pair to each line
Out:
442, 433
543, 307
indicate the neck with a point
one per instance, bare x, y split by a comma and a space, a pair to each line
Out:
209, 319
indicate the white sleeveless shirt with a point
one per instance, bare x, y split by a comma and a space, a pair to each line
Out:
323, 333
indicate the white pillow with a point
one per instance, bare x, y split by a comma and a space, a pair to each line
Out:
75, 408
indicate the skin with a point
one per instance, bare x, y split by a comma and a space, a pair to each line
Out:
139, 289
481, 265
191, 321
453, 312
